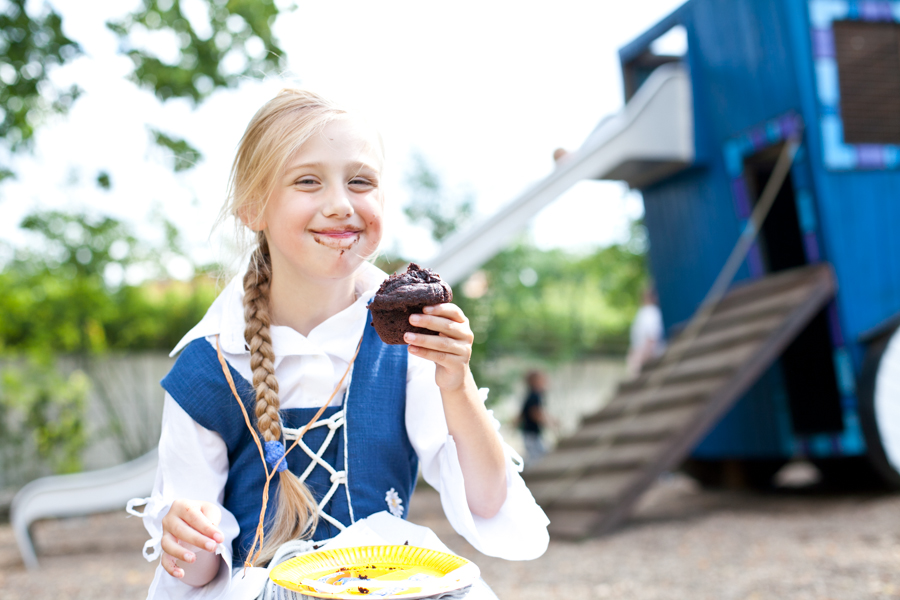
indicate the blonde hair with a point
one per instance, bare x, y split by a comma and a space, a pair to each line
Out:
276, 131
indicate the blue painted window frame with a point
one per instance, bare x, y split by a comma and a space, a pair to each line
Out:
837, 154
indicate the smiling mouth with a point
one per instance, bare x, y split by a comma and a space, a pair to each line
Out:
337, 240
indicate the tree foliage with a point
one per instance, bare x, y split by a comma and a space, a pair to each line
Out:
70, 290
432, 205
232, 41
67, 293
220, 43
184, 156
550, 306
42, 412
30, 47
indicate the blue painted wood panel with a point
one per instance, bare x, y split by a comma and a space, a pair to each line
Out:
751, 61
859, 210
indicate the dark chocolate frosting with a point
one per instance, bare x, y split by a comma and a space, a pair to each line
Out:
415, 287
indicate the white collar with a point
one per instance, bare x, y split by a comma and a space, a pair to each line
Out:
225, 318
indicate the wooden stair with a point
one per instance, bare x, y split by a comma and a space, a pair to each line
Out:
590, 482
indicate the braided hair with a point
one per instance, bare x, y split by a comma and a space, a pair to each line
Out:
296, 514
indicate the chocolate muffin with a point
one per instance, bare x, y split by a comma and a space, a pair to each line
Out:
403, 294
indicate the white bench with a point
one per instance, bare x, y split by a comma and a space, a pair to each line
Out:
78, 494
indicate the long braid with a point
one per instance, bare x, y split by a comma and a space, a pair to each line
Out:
262, 358
296, 514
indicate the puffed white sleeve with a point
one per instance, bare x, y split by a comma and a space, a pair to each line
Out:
519, 530
193, 463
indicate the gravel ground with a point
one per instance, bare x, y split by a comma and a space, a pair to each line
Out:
682, 542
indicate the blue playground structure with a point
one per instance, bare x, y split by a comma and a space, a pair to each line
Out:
761, 71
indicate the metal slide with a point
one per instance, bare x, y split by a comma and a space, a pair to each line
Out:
652, 137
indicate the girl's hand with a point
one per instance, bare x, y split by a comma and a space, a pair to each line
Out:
451, 350
190, 525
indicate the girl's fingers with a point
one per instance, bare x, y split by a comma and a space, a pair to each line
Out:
439, 343
448, 310
169, 563
451, 328
175, 550
185, 532
432, 355
212, 512
438, 350
195, 516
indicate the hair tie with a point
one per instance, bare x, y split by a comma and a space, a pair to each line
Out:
274, 453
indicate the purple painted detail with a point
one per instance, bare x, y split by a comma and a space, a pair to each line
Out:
836, 443
837, 338
755, 262
869, 156
823, 43
790, 125
811, 244
759, 139
741, 198
875, 11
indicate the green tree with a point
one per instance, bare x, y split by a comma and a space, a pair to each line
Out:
231, 42
60, 298
44, 413
551, 305
431, 205
240, 28
65, 293
30, 47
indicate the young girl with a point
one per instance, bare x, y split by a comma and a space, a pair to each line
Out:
292, 335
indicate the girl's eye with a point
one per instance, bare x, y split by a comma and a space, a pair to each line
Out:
361, 183
305, 181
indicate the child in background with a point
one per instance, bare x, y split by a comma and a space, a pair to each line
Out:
293, 335
534, 418
646, 335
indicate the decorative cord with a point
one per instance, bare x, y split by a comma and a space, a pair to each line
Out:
281, 462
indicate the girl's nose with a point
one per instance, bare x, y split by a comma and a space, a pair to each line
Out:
337, 203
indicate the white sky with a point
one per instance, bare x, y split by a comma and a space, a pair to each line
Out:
484, 90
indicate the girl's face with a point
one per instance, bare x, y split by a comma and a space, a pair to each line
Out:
324, 217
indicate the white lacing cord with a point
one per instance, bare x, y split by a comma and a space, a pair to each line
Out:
338, 478
347, 446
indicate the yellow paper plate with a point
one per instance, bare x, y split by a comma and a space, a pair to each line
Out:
375, 572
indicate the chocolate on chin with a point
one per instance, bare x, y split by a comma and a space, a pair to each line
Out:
403, 294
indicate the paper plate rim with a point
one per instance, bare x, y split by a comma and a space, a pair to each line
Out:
367, 555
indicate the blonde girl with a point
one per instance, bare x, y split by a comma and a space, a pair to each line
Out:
290, 342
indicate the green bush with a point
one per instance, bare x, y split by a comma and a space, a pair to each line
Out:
44, 412
551, 306
58, 299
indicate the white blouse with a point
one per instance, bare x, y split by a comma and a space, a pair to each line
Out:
193, 461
